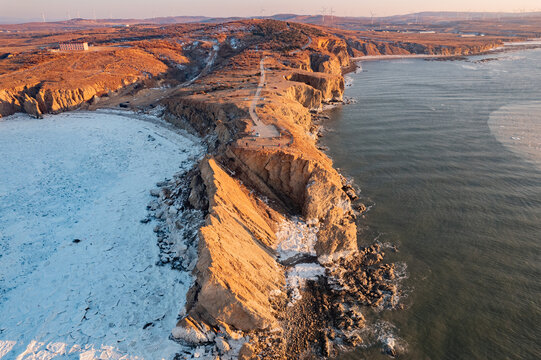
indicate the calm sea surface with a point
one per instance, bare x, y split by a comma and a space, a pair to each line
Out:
463, 207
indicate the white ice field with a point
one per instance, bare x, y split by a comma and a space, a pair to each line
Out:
86, 176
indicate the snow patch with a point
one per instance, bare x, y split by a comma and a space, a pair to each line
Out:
297, 240
297, 237
5, 347
235, 43
296, 278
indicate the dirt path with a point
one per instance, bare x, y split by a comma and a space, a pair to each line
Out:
304, 47
261, 129
266, 135
210, 61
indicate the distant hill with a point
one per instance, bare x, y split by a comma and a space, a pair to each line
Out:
440, 16
443, 21
11, 20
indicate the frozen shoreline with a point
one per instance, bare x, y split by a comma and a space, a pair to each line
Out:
78, 273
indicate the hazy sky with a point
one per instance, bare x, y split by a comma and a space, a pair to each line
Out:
61, 9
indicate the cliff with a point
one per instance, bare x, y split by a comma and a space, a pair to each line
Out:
236, 270
68, 80
253, 185
447, 46
331, 86
309, 187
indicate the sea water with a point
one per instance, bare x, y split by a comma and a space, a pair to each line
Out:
449, 152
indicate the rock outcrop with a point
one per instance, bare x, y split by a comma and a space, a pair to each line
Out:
331, 86
9, 103
363, 47
236, 270
66, 81
31, 107
325, 63
333, 51
308, 186
308, 96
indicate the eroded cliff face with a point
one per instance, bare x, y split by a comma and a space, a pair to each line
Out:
359, 48
68, 80
250, 186
220, 122
310, 187
9, 103
306, 95
236, 270
337, 50
330, 85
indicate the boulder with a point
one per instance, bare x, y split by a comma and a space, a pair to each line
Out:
247, 352
236, 270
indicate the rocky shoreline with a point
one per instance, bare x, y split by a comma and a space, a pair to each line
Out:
283, 323
321, 316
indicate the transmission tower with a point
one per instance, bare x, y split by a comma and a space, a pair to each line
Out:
331, 13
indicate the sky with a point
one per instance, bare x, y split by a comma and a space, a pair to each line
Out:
63, 9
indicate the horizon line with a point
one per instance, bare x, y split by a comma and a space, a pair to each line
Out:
19, 21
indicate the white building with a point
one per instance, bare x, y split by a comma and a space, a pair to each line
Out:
73, 46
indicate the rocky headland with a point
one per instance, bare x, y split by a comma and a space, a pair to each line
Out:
280, 270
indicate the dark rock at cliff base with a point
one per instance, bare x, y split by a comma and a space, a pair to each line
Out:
94, 100
360, 207
348, 189
327, 346
31, 107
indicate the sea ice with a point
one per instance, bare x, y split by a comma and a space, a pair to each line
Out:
78, 273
